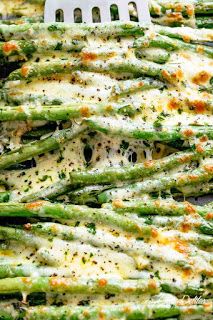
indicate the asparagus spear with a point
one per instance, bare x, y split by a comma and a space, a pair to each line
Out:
139, 84
154, 310
72, 212
160, 41
63, 112
151, 54
34, 31
135, 66
202, 174
23, 48
140, 130
83, 286
114, 175
161, 207
32, 149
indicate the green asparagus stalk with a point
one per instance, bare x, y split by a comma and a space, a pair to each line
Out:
32, 149
151, 54
160, 41
161, 207
83, 286
135, 66
186, 34
113, 175
72, 212
23, 48
140, 130
202, 174
63, 112
10, 270
57, 30
140, 84
155, 310
204, 22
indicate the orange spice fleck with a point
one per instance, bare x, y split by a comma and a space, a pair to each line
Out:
185, 159
152, 284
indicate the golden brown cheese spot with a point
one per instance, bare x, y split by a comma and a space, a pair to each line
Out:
34, 205
185, 159
186, 38
199, 148
188, 133
148, 164
178, 7
88, 56
24, 71
200, 49
174, 104
181, 246
154, 233
201, 77
190, 10
186, 226
55, 282
208, 168
26, 280
102, 282
189, 207
204, 139
85, 112
199, 106
152, 284
117, 203
209, 216
175, 16
28, 226
8, 47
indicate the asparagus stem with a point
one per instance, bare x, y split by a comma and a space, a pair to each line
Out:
161, 207
154, 310
139, 130
202, 174
63, 112
113, 175
85, 286
34, 31
32, 149
72, 212
135, 66
160, 41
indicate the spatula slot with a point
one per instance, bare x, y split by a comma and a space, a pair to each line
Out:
96, 15
59, 15
133, 11
78, 15
114, 12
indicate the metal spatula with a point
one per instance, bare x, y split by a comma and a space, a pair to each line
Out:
86, 7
